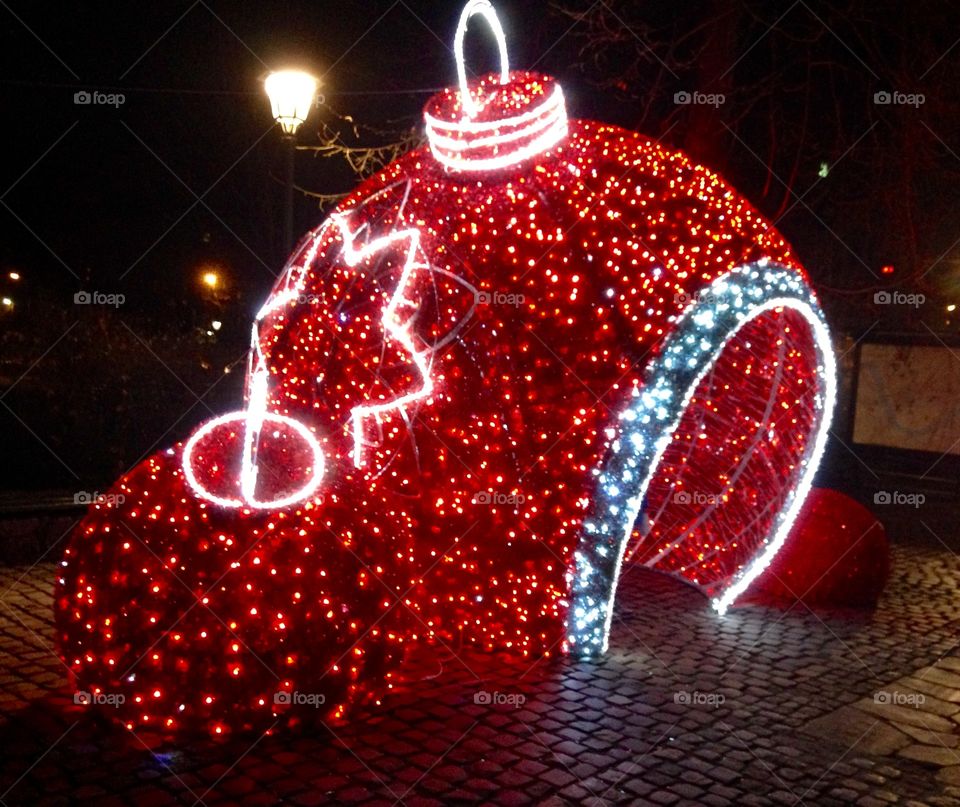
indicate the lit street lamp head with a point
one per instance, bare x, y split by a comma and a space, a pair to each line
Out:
291, 94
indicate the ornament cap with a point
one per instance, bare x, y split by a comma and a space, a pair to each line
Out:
499, 120
516, 121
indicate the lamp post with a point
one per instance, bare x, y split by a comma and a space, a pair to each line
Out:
291, 94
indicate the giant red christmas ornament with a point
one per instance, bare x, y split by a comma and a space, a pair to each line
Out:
467, 387
837, 555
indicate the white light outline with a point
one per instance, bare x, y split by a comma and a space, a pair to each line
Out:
256, 414
479, 127
485, 9
544, 142
584, 637
391, 325
548, 113
297, 273
250, 502
812, 463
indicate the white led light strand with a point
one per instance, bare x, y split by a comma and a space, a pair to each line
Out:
391, 323
291, 285
542, 117
442, 127
256, 416
253, 418
486, 10
247, 481
542, 134
647, 426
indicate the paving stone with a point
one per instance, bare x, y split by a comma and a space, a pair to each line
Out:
686, 790
949, 774
949, 663
664, 797
310, 798
512, 798
851, 728
939, 675
895, 713
944, 693
926, 702
930, 737
931, 755
725, 775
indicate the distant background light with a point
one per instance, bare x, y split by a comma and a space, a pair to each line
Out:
216, 325
7, 302
887, 270
14, 275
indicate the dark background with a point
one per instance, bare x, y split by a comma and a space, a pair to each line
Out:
105, 199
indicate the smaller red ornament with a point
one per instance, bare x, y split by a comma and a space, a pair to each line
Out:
836, 555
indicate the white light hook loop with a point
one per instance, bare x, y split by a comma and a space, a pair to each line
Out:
485, 9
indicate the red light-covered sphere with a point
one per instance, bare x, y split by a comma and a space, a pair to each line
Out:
478, 375
837, 555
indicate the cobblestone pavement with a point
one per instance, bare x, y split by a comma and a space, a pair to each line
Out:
688, 708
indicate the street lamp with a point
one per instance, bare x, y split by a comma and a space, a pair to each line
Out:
291, 94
